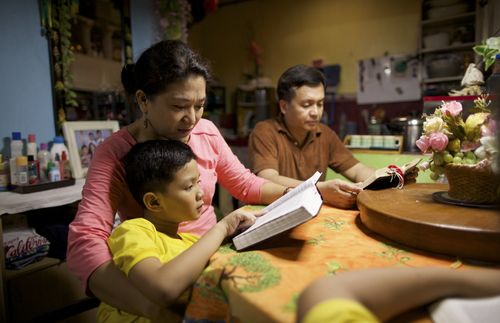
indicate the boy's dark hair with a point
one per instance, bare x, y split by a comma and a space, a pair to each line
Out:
297, 76
152, 164
163, 63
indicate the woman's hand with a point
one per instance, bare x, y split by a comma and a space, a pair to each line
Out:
339, 193
237, 220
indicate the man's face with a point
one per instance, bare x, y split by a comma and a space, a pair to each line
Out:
303, 113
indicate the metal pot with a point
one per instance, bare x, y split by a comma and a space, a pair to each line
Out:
410, 128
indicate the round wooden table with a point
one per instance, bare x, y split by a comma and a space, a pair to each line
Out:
410, 216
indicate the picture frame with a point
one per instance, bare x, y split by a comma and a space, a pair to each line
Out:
82, 138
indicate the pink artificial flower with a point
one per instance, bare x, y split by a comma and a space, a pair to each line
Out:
423, 143
489, 128
438, 141
452, 108
469, 145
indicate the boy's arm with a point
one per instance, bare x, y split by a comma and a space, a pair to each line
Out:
377, 289
163, 283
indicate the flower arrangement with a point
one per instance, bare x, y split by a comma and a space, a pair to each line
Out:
174, 17
451, 140
256, 52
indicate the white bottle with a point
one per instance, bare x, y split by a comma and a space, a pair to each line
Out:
58, 147
43, 159
31, 147
16, 150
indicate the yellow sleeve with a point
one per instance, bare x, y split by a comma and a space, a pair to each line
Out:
339, 311
133, 241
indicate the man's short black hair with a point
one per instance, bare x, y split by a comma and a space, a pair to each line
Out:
151, 165
297, 76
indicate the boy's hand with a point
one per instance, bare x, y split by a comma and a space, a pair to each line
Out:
236, 220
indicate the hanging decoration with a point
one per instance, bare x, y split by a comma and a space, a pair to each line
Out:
56, 18
174, 16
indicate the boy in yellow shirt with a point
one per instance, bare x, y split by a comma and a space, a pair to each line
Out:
163, 176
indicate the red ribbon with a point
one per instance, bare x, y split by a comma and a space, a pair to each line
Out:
399, 171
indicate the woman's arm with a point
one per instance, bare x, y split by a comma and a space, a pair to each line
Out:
239, 180
378, 289
110, 284
163, 283
88, 255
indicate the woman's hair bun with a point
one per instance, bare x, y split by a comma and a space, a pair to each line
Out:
128, 79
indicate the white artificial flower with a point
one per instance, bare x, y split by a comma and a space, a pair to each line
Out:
493, 42
433, 124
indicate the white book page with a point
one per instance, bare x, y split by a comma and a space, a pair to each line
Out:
458, 310
284, 208
311, 181
307, 197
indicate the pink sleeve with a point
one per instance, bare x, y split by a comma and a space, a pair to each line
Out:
105, 189
238, 180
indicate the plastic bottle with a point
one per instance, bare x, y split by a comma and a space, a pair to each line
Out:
57, 148
16, 150
31, 147
65, 166
493, 82
43, 159
53, 171
4, 174
22, 170
32, 170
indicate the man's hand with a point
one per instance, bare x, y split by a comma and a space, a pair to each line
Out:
339, 193
411, 176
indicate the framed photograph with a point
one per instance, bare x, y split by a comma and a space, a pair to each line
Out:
83, 137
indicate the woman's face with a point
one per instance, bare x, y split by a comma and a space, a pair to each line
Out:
174, 113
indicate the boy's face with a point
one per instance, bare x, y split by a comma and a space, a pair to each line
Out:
303, 113
183, 198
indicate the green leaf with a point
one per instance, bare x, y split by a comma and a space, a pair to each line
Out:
488, 61
480, 49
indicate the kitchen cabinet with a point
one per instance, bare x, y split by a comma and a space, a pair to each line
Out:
44, 290
89, 42
252, 106
215, 106
449, 30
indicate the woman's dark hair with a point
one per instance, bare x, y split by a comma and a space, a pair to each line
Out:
151, 165
160, 65
297, 76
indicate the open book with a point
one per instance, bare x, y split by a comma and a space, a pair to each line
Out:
458, 310
297, 206
389, 177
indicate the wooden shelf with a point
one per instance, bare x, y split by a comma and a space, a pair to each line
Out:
442, 79
465, 46
43, 263
438, 21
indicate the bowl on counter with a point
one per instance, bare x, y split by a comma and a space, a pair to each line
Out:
444, 66
447, 11
437, 40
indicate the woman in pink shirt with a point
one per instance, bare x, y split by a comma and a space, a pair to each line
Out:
169, 84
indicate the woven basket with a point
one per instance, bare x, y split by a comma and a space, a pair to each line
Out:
473, 184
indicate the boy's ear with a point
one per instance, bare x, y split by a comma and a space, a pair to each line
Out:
151, 201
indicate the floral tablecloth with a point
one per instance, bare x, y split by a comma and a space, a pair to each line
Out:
263, 284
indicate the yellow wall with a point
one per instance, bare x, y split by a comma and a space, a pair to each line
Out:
298, 31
